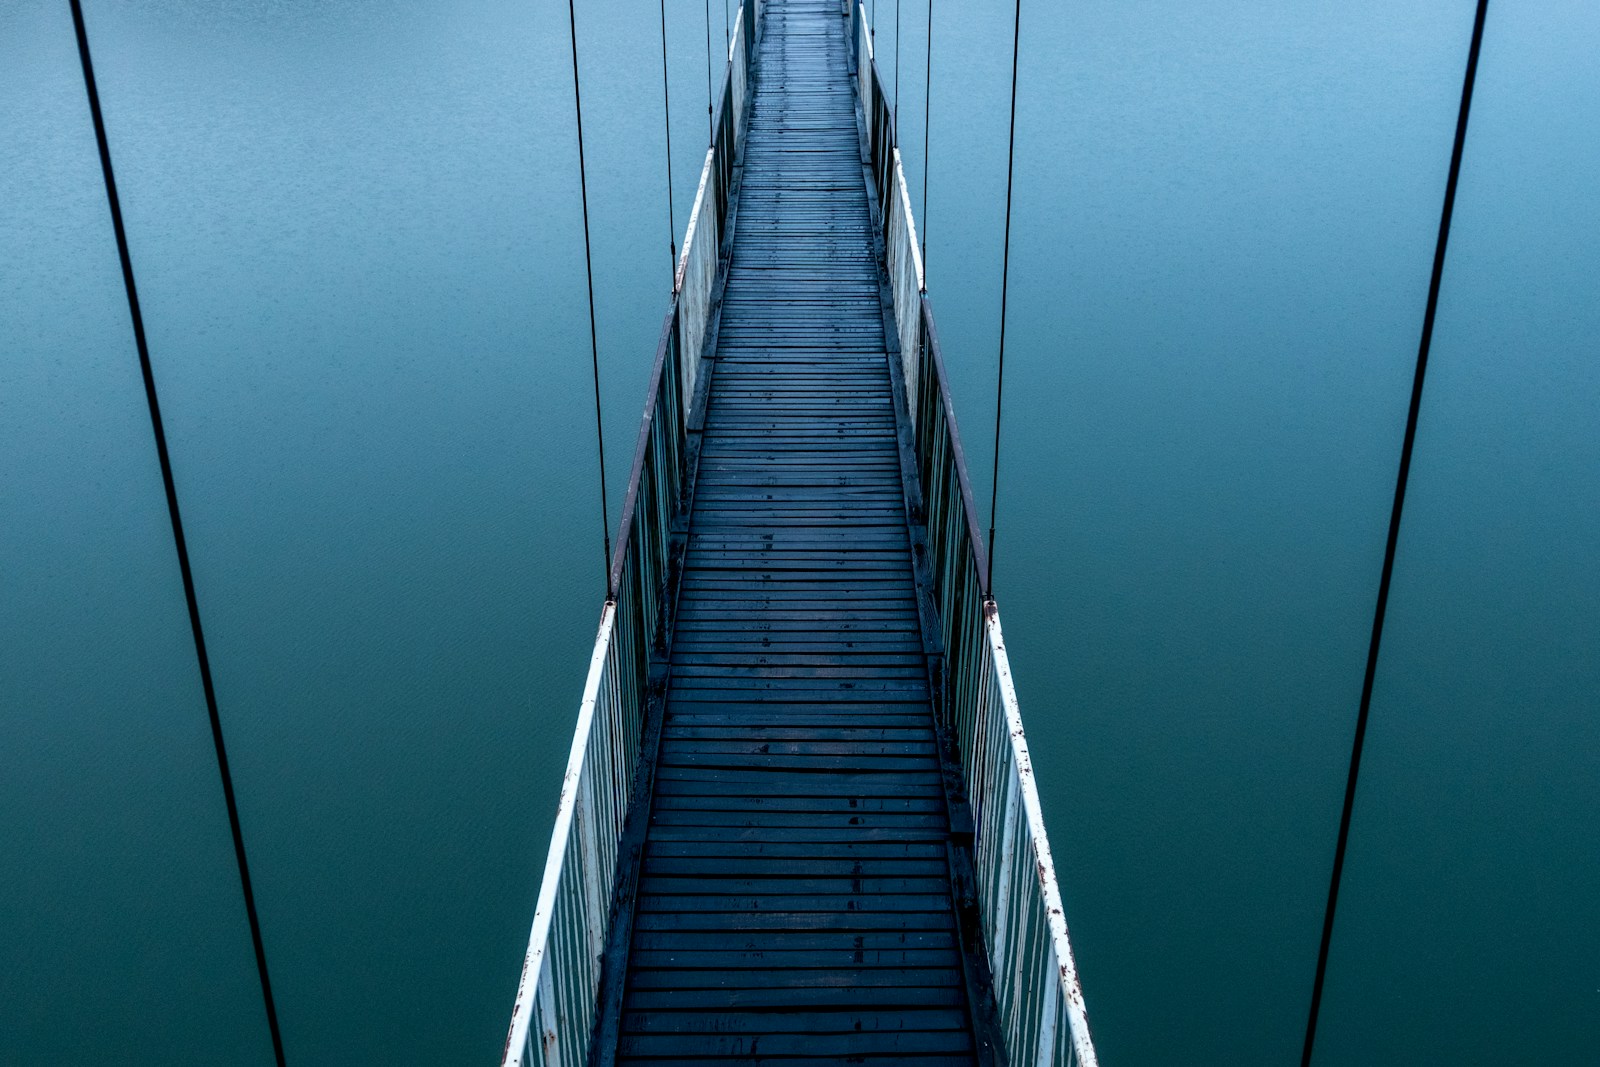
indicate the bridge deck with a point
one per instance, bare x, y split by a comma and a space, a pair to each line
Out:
794, 900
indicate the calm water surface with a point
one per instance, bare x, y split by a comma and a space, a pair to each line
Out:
357, 233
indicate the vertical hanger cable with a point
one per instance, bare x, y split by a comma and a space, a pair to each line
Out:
666, 121
927, 119
897, 68
1005, 278
588, 270
711, 132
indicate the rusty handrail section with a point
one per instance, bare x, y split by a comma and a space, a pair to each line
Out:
1037, 991
556, 1007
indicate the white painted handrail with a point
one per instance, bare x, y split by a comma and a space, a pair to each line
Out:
1018, 894
697, 274
904, 262
551, 1020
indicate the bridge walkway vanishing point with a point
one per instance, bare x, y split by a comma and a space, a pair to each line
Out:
795, 897
798, 824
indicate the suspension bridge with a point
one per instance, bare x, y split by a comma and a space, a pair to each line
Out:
799, 822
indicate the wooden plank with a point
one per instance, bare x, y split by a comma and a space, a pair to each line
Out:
759, 1060
847, 978
793, 999
862, 886
842, 1022
906, 1043
735, 731
804, 941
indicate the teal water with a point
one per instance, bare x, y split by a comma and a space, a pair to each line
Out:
358, 242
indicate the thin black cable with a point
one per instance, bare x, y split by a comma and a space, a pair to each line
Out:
1391, 544
897, 67
176, 518
666, 111
711, 131
1005, 277
927, 118
727, 28
588, 270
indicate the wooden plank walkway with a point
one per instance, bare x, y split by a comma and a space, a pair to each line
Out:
794, 903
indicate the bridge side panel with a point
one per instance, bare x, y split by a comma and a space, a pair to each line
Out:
554, 1015
904, 262
697, 274
1037, 990
554, 1009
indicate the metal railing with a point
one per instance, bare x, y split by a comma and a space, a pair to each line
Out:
1037, 993
553, 1018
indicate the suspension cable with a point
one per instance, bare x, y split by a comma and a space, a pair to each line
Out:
1005, 277
666, 122
1387, 573
897, 68
727, 29
711, 131
588, 270
927, 118
179, 541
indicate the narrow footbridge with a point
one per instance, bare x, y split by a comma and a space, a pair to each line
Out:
799, 824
